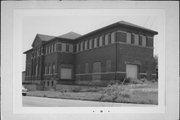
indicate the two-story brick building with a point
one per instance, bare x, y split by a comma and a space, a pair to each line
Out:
112, 53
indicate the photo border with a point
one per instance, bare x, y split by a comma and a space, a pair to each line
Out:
170, 48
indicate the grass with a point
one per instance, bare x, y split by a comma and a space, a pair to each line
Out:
132, 93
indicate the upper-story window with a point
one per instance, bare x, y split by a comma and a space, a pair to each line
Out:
79, 47
140, 40
121, 36
97, 42
132, 38
49, 49
52, 48
59, 47
109, 38
144, 41
67, 48
149, 42
63, 47
103, 40
87, 44
92, 43
83, 45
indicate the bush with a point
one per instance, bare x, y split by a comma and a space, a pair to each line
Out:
112, 92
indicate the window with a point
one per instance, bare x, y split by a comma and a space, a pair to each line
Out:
97, 42
45, 69
78, 68
79, 46
49, 49
67, 48
87, 44
149, 42
109, 38
63, 47
132, 38
144, 41
121, 37
103, 40
108, 65
87, 68
52, 83
37, 70
53, 70
140, 40
52, 48
92, 43
83, 43
47, 83
41, 51
49, 69
59, 47
66, 73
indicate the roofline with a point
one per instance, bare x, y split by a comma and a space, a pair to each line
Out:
28, 51
114, 25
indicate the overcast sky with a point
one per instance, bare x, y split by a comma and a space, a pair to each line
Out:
83, 22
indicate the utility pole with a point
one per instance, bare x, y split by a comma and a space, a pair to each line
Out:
116, 57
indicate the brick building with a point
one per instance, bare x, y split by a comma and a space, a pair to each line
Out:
108, 54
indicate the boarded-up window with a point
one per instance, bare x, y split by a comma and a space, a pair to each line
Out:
87, 44
144, 41
132, 38
87, 68
63, 47
67, 48
108, 65
103, 40
96, 69
109, 38
66, 73
140, 40
50, 69
97, 42
79, 46
59, 47
121, 37
92, 43
83, 45
78, 69
149, 42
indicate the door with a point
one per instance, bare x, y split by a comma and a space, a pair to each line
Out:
131, 71
96, 69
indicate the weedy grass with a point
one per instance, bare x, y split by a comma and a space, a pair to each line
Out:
131, 93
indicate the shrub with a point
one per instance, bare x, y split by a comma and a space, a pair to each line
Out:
112, 92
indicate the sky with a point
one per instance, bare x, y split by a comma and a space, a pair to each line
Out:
83, 22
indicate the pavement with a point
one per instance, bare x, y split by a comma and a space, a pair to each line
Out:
29, 101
